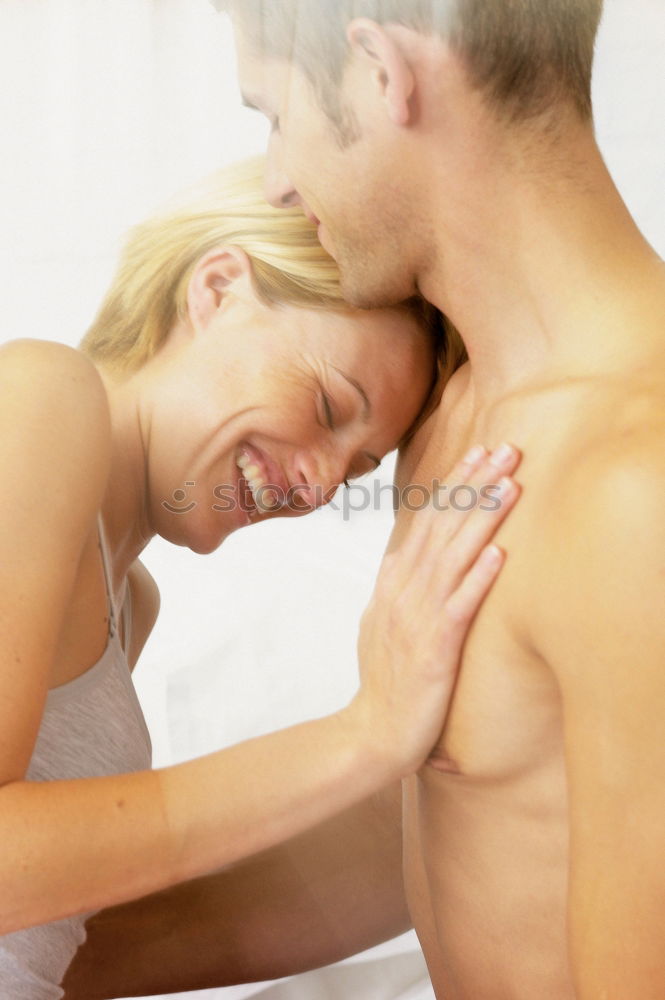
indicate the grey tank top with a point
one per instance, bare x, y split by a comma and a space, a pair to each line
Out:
92, 726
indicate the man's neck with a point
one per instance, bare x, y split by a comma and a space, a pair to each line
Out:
544, 273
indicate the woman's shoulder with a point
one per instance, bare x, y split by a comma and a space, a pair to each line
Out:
29, 356
44, 372
54, 409
55, 459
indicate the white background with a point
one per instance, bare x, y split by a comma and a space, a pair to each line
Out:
107, 108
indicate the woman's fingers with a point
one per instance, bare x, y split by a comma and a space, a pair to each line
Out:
426, 596
461, 606
453, 575
459, 613
476, 491
448, 558
469, 502
422, 521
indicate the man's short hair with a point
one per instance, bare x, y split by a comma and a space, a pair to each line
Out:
524, 55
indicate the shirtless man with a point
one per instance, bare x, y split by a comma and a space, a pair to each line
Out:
453, 153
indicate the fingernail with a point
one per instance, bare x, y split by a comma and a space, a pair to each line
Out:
505, 486
476, 453
502, 454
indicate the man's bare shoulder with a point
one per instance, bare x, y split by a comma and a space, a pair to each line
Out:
620, 446
603, 537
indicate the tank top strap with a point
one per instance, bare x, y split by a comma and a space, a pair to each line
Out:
113, 621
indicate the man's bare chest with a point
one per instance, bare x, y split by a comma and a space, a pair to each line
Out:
504, 714
485, 822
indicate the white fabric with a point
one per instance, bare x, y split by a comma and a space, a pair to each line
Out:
107, 108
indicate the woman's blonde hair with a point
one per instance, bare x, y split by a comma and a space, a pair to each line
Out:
149, 291
289, 266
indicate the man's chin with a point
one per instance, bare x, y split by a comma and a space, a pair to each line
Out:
365, 295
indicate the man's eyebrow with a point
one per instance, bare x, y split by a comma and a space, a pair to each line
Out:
367, 406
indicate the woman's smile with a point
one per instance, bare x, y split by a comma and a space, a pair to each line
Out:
285, 403
268, 485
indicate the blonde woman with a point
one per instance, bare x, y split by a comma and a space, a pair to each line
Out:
223, 355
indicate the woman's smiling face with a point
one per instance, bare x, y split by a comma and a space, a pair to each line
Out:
261, 411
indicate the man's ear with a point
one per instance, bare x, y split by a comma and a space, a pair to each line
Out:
388, 63
220, 271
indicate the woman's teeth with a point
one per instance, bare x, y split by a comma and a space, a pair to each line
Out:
266, 499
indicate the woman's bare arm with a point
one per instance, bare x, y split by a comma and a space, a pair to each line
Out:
73, 845
320, 897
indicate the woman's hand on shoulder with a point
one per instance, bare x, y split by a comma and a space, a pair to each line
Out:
426, 597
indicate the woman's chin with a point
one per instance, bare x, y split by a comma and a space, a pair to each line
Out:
206, 544
204, 547
211, 536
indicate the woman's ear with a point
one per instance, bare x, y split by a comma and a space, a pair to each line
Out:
388, 65
220, 271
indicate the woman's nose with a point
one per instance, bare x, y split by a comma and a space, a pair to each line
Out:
316, 480
279, 191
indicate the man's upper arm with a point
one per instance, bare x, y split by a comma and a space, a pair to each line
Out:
602, 630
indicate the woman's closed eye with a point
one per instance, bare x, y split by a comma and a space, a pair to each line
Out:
328, 411
328, 418
365, 463
333, 414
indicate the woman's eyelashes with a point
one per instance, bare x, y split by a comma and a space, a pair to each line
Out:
336, 414
329, 420
326, 418
362, 469
328, 411
329, 423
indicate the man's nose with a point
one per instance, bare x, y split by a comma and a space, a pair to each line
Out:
279, 191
